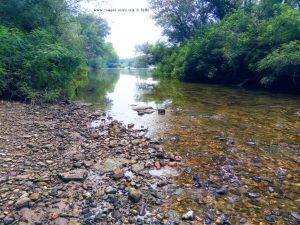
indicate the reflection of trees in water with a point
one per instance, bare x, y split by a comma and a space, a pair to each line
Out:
100, 82
166, 89
142, 73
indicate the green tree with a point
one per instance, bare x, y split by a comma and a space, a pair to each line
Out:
181, 19
282, 65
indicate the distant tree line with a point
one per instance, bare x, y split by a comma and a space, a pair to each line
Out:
243, 42
46, 48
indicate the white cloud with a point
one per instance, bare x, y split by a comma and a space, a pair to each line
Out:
127, 28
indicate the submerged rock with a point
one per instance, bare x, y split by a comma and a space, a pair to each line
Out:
190, 215
296, 215
252, 195
161, 111
222, 191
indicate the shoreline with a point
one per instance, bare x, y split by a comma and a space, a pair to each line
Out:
57, 169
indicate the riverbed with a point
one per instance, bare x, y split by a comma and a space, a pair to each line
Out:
240, 147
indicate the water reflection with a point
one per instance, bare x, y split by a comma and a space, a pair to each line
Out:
100, 83
117, 91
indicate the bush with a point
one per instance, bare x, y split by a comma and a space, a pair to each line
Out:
36, 67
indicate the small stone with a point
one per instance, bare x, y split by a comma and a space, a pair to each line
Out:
134, 195
74, 175
178, 158
276, 212
243, 220
159, 217
222, 191
157, 165
138, 167
172, 164
188, 215
270, 219
296, 215
8, 220
110, 190
161, 111
118, 173
134, 212
131, 125
54, 216
87, 195
116, 214
218, 221
271, 189
34, 196
289, 176
251, 143
3, 179
252, 195
23, 202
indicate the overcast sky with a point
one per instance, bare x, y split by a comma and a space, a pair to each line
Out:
127, 28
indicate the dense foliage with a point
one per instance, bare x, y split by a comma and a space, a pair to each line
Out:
254, 45
46, 47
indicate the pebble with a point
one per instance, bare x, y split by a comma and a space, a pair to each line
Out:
222, 191
270, 218
8, 220
296, 215
34, 196
276, 212
243, 220
118, 173
134, 195
159, 217
23, 202
190, 215
252, 195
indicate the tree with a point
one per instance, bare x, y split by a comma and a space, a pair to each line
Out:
46, 47
257, 45
282, 64
181, 19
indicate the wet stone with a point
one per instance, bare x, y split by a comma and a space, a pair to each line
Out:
295, 215
270, 218
276, 212
252, 195
222, 191
243, 220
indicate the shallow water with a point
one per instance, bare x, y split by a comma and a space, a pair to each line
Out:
246, 141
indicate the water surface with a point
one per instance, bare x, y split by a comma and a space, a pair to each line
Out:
245, 141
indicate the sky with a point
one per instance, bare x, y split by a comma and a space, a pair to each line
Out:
128, 29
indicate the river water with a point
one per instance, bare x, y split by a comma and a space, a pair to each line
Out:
241, 141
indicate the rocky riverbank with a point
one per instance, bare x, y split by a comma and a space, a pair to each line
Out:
61, 164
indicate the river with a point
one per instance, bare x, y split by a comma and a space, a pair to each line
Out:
241, 142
